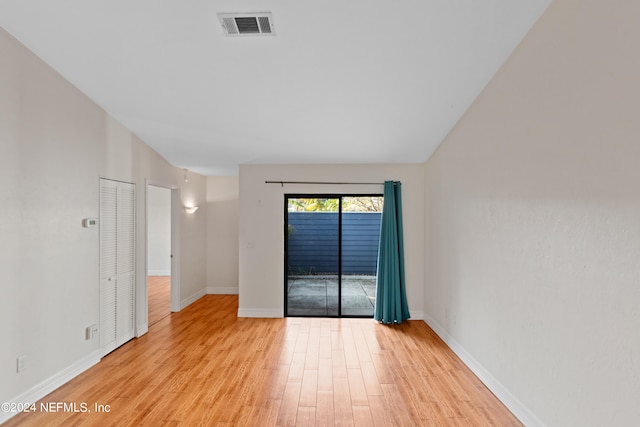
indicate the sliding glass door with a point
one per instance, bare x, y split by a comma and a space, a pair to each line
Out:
331, 247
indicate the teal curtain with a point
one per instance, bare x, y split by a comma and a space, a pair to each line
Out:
391, 297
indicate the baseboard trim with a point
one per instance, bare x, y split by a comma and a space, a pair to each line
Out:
159, 273
193, 298
416, 314
211, 290
260, 313
518, 409
39, 391
142, 329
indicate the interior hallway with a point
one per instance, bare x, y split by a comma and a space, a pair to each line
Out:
159, 300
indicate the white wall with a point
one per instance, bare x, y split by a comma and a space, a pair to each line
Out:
533, 221
56, 144
189, 261
158, 231
262, 220
222, 234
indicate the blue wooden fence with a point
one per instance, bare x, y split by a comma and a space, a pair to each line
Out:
313, 242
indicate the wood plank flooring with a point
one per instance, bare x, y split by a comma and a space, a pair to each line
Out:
205, 366
159, 299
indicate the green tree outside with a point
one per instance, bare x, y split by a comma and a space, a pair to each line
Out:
349, 204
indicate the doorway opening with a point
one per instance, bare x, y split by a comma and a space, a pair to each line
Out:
159, 254
331, 249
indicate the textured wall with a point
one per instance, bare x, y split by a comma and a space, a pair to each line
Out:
222, 234
533, 220
158, 231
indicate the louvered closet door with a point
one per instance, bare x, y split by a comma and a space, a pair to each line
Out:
126, 263
108, 263
117, 263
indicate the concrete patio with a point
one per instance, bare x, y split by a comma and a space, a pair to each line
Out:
318, 295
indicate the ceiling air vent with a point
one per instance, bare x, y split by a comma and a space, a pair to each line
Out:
247, 24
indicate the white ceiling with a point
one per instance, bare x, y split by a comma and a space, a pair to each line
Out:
357, 81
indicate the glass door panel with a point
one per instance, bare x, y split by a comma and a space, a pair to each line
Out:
312, 256
360, 237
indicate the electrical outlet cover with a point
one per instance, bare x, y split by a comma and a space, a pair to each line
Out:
21, 363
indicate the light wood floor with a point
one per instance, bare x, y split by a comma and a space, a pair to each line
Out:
205, 366
159, 298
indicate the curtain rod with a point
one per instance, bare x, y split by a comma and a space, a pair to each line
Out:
282, 183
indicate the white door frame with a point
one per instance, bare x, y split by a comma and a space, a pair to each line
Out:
175, 245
